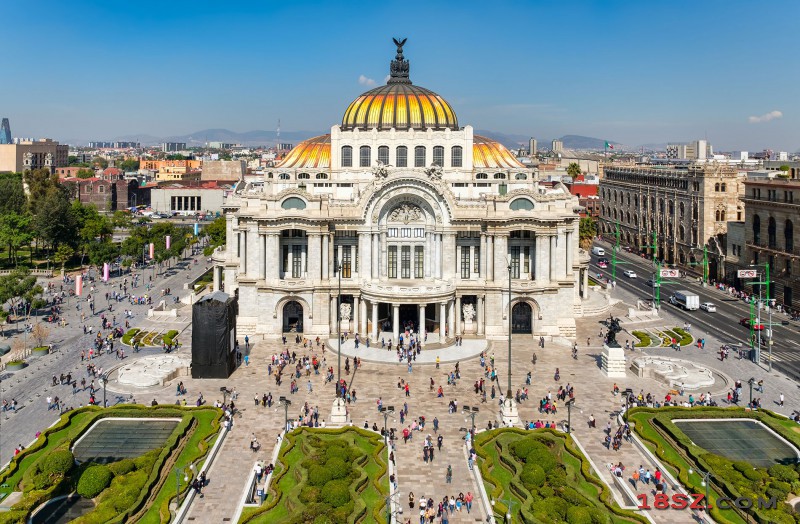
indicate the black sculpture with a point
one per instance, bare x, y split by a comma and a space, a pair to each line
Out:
613, 329
399, 68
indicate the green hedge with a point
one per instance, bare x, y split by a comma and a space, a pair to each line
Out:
128, 336
644, 339
685, 338
169, 337
94, 480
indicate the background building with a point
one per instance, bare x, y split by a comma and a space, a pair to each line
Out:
532, 146
557, 146
422, 221
231, 170
44, 153
688, 208
5, 132
697, 150
171, 147
189, 198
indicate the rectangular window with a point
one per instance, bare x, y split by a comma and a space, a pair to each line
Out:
455, 154
419, 262
438, 155
285, 266
297, 261
365, 155
476, 262
199, 202
391, 267
391, 232
464, 261
347, 156
419, 156
405, 262
419, 232
383, 155
347, 260
405, 232
402, 156
514, 261
526, 266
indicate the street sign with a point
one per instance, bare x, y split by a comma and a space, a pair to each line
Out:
747, 273
670, 273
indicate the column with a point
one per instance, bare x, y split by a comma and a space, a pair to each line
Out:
262, 256
324, 256
458, 316
458, 259
375, 260
303, 258
314, 258
374, 335
382, 258
480, 319
428, 254
585, 283
490, 257
356, 311
553, 267
570, 250
421, 323
362, 329
217, 277
500, 254
333, 313
538, 258
437, 255
484, 250
364, 256
242, 252
395, 323
338, 258
274, 251
448, 252
442, 323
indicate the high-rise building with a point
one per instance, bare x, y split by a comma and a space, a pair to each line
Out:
171, 147
5, 132
33, 154
532, 146
557, 146
697, 150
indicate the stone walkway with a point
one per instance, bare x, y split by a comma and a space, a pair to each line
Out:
469, 348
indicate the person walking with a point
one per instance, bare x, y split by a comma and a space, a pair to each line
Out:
781, 399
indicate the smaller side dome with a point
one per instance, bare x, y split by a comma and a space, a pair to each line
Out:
488, 154
314, 153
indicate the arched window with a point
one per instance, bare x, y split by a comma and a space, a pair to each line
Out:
438, 155
722, 215
347, 156
284, 176
523, 176
402, 156
499, 176
615, 196
716, 187
456, 153
681, 209
383, 155
636, 201
293, 203
628, 217
723, 187
419, 156
756, 229
788, 235
322, 176
521, 204
303, 176
716, 215
671, 207
481, 176
772, 233
365, 156
269, 175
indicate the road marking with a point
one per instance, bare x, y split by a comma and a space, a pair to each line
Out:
794, 342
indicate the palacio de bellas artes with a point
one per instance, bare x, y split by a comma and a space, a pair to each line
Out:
416, 219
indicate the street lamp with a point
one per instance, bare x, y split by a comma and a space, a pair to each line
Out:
569, 403
628, 397
770, 305
705, 482
470, 412
178, 472
338, 269
509, 505
751, 382
104, 381
285, 402
386, 412
508, 393
225, 392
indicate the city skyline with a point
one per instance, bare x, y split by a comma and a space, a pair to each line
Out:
632, 73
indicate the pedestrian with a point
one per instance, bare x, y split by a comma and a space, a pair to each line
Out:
635, 478
449, 475
781, 399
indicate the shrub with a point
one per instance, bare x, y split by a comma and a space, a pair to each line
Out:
543, 457
318, 475
58, 462
337, 452
94, 480
783, 473
523, 447
169, 338
644, 339
554, 507
336, 493
686, 338
579, 515
533, 476
338, 468
309, 494
121, 467
126, 338
41, 481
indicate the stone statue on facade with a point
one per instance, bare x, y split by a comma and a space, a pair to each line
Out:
434, 172
345, 309
380, 170
468, 310
405, 213
48, 159
27, 159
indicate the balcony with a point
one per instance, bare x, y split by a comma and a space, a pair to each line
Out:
774, 249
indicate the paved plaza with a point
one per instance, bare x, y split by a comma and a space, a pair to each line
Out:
377, 377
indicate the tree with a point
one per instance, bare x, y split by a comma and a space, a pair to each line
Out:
100, 162
85, 173
12, 193
176, 156
102, 251
121, 220
17, 286
40, 334
72, 160
15, 232
587, 230
63, 255
39, 182
129, 164
216, 231
574, 170
54, 221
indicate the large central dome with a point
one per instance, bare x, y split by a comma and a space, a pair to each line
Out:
399, 104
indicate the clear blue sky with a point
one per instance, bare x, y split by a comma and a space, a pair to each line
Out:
635, 72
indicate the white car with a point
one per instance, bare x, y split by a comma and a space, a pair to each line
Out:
708, 306
629, 273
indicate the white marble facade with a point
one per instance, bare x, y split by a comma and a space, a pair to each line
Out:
427, 244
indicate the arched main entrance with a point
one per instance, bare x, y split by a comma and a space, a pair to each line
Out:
292, 317
522, 318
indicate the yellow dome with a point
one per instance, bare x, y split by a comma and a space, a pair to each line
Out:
314, 153
488, 154
399, 104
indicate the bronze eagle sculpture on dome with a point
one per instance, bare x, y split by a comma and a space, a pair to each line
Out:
399, 44
398, 68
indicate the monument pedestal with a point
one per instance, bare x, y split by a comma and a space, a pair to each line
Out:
612, 361
338, 413
508, 413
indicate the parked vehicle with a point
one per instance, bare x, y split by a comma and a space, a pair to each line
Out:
686, 300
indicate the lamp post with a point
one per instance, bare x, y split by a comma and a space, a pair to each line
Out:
178, 472
764, 280
508, 393
509, 505
470, 412
338, 269
285, 402
705, 482
569, 403
386, 412
751, 382
104, 381
628, 396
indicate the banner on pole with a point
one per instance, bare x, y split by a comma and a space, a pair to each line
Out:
106, 271
747, 273
196, 228
79, 285
152, 251
168, 241
670, 273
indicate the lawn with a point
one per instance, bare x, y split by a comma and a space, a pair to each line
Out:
327, 475
547, 478
124, 490
730, 479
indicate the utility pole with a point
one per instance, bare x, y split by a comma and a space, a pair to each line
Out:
657, 278
614, 250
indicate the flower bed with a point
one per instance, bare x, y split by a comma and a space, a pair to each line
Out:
644, 339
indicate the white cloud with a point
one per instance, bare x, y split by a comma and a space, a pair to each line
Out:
365, 81
386, 78
772, 115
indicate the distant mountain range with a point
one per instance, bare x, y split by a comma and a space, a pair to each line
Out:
261, 137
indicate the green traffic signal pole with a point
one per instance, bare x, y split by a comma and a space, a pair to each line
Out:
766, 282
614, 249
704, 263
657, 278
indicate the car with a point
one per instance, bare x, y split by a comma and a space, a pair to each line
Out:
652, 283
629, 273
603, 260
709, 306
746, 323
602, 265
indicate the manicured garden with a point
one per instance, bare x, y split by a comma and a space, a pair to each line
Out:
546, 476
149, 338
129, 490
730, 479
662, 338
327, 475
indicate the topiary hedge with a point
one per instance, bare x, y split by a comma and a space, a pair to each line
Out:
169, 337
685, 338
644, 339
127, 338
94, 480
58, 462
